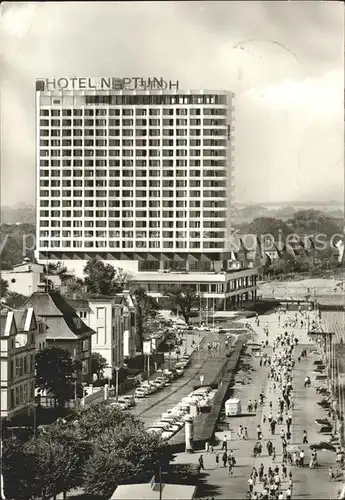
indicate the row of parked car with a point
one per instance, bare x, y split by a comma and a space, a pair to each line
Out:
174, 419
150, 387
164, 379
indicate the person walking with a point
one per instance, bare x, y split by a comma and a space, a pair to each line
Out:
305, 437
250, 485
240, 432
288, 493
261, 472
245, 435
273, 454
201, 463
217, 460
284, 471
269, 447
258, 431
288, 424
254, 475
331, 474
273, 427
225, 443
255, 405
225, 458
230, 467
301, 458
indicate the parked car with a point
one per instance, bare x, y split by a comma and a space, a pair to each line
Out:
163, 380
179, 371
126, 402
130, 399
154, 430
173, 425
150, 388
140, 392
167, 435
164, 426
185, 358
118, 404
170, 374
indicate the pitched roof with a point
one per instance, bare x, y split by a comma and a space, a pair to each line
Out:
59, 329
20, 319
144, 491
51, 306
78, 304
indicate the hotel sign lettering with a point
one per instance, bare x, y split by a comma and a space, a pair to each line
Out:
128, 83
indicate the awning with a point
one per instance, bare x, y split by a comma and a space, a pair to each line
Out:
334, 322
191, 258
177, 258
164, 258
204, 258
136, 256
151, 258
123, 256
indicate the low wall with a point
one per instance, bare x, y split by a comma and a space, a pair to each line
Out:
205, 423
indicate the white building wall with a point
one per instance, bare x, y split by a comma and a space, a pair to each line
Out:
25, 283
102, 340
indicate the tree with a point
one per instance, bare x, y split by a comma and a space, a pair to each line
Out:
121, 453
101, 448
98, 364
3, 288
184, 299
45, 465
104, 279
306, 222
146, 310
58, 269
15, 239
15, 300
54, 372
96, 419
17, 470
267, 226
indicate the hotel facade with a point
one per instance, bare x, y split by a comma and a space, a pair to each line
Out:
140, 174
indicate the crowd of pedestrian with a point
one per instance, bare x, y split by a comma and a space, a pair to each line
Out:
275, 480
280, 378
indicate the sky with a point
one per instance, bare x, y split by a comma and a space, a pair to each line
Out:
283, 60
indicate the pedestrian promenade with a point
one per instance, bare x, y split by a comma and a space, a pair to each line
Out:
307, 483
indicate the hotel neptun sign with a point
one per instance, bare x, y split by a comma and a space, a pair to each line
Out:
111, 83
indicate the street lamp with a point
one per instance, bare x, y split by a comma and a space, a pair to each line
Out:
169, 345
117, 368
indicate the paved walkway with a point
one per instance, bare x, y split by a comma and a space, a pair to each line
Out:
307, 483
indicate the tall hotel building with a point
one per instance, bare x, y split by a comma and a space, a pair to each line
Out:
142, 179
